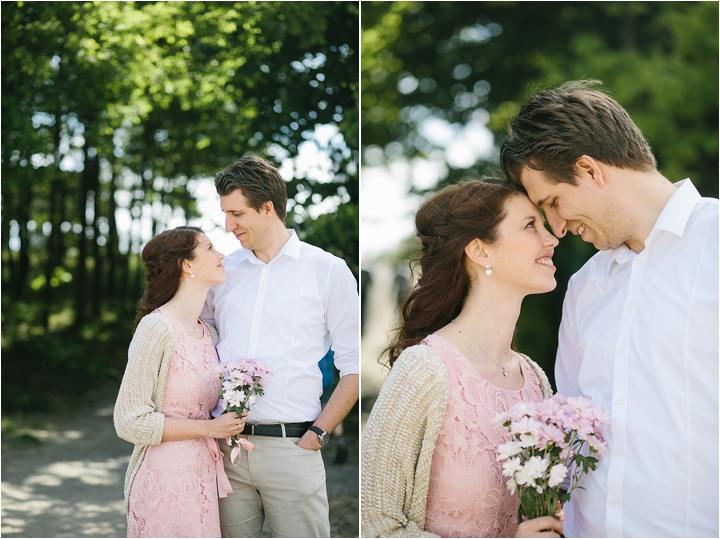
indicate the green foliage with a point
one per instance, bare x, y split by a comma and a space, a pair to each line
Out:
110, 108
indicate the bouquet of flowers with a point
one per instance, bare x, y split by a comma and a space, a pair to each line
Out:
242, 382
549, 438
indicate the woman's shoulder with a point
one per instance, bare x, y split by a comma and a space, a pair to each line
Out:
155, 325
420, 364
419, 356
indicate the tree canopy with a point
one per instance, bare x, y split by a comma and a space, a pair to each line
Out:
111, 108
480, 61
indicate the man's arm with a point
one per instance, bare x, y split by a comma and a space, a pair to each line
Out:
341, 402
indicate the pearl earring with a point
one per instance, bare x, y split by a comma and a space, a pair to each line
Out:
192, 275
488, 271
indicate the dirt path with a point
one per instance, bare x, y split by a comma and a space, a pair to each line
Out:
69, 482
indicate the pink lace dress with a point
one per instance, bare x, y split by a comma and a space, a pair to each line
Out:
175, 493
467, 496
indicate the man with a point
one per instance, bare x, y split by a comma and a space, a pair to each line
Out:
284, 303
639, 333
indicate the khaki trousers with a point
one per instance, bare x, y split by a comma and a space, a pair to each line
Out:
280, 480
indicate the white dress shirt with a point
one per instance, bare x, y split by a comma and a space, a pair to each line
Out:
639, 336
287, 313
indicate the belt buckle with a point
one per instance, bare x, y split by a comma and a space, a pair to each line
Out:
252, 429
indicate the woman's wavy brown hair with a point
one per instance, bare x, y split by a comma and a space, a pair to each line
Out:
163, 257
445, 224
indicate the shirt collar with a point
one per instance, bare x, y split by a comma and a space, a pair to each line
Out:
291, 249
673, 219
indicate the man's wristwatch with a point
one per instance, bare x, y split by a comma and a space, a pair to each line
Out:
323, 437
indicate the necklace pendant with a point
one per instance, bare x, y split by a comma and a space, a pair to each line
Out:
505, 372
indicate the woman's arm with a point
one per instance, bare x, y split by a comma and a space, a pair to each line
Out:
136, 418
226, 425
398, 443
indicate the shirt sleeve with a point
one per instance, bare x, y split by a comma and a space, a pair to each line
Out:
208, 312
135, 416
569, 357
342, 317
569, 354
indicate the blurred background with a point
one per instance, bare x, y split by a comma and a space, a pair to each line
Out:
441, 80
115, 118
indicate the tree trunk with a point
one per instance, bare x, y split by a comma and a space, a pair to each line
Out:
113, 248
98, 261
81, 268
23, 267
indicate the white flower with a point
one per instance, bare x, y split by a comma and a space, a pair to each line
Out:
533, 469
526, 425
529, 439
524, 476
557, 475
511, 466
508, 449
511, 485
235, 398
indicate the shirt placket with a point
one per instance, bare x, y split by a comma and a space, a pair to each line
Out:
618, 412
257, 310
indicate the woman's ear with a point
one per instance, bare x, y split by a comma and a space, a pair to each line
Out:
477, 253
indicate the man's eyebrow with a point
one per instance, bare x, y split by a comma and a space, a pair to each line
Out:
542, 201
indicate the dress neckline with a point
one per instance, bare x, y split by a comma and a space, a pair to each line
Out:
202, 325
469, 364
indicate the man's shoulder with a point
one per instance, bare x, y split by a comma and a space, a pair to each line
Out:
319, 256
594, 268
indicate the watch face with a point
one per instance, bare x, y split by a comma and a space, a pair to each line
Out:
323, 437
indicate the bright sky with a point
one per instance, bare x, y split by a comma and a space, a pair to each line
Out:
387, 210
313, 161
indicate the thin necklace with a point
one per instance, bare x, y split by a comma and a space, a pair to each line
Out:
188, 321
503, 367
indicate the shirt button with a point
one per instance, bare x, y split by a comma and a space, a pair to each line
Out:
640, 261
619, 400
613, 503
621, 350
629, 305
618, 451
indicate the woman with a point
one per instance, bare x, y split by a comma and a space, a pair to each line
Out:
169, 388
429, 463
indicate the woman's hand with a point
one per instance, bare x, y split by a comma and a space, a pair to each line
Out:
540, 527
228, 424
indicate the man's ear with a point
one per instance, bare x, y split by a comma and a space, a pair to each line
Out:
267, 208
590, 168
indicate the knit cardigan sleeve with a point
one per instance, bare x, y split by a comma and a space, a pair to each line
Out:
398, 443
138, 413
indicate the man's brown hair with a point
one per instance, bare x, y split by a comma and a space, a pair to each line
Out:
556, 127
258, 181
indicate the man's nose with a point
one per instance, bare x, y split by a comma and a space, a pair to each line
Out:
228, 225
559, 225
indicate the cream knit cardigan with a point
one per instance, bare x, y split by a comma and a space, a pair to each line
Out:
399, 441
138, 413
